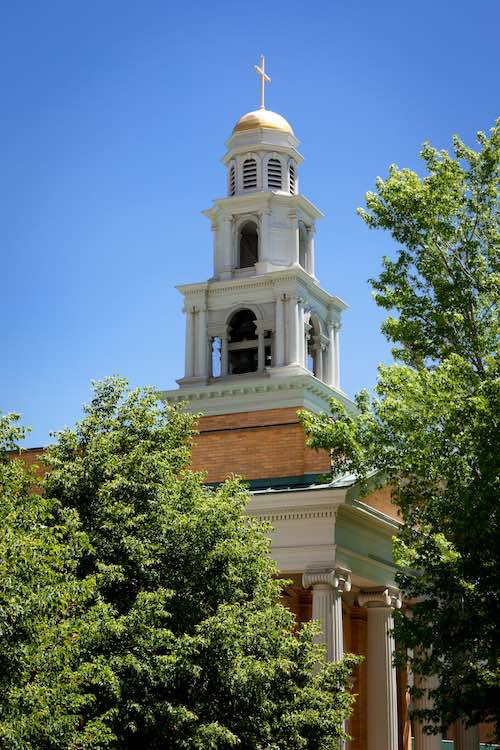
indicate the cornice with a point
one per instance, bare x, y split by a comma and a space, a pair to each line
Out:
294, 515
280, 280
240, 202
239, 393
369, 516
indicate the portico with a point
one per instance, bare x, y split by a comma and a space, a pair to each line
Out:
337, 550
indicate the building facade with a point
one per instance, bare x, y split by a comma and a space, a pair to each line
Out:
262, 341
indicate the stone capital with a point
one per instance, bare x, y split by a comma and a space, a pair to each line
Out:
333, 325
261, 326
380, 597
337, 578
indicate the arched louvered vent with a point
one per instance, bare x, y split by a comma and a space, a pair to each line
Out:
232, 180
274, 178
291, 175
249, 174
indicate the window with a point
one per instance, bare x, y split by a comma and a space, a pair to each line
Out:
232, 180
243, 350
248, 251
274, 177
291, 177
249, 174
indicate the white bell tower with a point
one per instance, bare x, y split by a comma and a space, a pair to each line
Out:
262, 322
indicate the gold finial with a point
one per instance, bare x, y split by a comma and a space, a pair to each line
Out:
264, 78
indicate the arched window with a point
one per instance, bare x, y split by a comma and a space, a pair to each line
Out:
291, 177
249, 174
303, 246
232, 180
242, 345
274, 176
248, 245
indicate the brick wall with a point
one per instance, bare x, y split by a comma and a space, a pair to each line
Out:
255, 445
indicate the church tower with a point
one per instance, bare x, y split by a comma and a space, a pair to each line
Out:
262, 341
261, 333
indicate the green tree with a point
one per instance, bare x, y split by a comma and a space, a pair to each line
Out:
50, 620
199, 651
431, 431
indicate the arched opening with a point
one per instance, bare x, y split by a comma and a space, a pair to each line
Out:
248, 250
274, 175
303, 246
243, 344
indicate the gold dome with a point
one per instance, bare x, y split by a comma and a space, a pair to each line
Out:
262, 118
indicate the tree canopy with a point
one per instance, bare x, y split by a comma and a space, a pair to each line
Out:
431, 430
149, 604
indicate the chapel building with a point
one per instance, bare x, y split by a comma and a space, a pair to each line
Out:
262, 341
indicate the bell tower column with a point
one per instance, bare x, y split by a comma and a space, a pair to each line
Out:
292, 331
201, 354
189, 345
279, 335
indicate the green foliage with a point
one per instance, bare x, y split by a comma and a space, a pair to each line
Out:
50, 621
431, 431
171, 635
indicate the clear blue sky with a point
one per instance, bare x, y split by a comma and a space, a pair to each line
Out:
113, 117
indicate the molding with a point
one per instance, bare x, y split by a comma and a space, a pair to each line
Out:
278, 388
289, 279
291, 514
262, 502
367, 559
238, 203
369, 516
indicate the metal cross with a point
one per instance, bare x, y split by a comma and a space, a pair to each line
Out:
264, 78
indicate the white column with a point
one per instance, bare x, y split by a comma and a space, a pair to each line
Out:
224, 359
301, 333
310, 250
330, 369
295, 237
226, 249
216, 253
201, 368
279, 334
261, 356
327, 587
466, 738
424, 741
189, 345
265, 249
319, 361
382, 703
292, 331
336, 370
